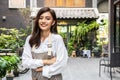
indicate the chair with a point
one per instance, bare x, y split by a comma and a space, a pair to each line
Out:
112, 62
104, 51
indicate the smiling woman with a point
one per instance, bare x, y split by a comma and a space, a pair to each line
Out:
44, 51
45, 21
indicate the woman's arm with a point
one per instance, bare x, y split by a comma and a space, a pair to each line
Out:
27, 60
46, 62
61, 59
49, 61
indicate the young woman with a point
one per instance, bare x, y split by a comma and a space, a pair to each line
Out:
44, 50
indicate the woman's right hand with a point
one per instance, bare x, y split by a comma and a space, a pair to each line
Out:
49, 61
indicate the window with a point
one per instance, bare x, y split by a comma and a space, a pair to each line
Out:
79, 3
17, 3
65, 3
69, 3
60, 3
33, 3
117, 28
49, 3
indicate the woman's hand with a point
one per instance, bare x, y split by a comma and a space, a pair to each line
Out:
46, 62
49, 61
39, 69
52, 60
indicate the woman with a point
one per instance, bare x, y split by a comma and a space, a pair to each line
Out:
44, 51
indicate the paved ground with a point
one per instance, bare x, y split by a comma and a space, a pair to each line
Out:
81, 69
86, 69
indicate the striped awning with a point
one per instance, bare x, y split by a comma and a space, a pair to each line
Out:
71, 13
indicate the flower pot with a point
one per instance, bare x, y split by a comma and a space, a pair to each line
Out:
9, 77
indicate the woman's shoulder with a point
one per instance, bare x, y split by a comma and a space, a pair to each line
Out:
28, 37
57, 36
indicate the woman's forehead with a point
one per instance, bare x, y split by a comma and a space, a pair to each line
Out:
46, 14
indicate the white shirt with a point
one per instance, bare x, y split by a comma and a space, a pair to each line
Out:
58, 48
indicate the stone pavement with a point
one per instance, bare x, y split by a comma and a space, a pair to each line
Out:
86, 69
81, 69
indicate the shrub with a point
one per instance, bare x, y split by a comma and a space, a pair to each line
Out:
11, 38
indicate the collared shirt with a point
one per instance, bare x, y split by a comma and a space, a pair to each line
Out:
58, 49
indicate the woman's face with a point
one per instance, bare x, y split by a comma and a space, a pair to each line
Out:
46, 21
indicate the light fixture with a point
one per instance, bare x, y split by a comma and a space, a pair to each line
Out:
4, 18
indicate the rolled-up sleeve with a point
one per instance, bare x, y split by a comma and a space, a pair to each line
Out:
27, 60
62, 57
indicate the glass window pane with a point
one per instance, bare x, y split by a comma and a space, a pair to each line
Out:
117, 28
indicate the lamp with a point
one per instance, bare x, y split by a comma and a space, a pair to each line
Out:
4, 18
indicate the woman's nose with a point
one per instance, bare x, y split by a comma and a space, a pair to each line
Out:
43, 20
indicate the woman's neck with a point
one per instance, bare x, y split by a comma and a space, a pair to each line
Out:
44, 35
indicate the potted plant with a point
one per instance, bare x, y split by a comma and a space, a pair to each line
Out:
7, 65
3, 66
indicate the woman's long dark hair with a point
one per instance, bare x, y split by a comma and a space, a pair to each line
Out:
36, 34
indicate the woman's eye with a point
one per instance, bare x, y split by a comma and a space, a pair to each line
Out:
40, 18
48, 18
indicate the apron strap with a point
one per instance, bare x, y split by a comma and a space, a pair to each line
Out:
49, 45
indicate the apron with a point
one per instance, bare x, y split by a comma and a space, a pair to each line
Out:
38, 75
45, 55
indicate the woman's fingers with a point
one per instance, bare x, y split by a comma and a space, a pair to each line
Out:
39, 69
